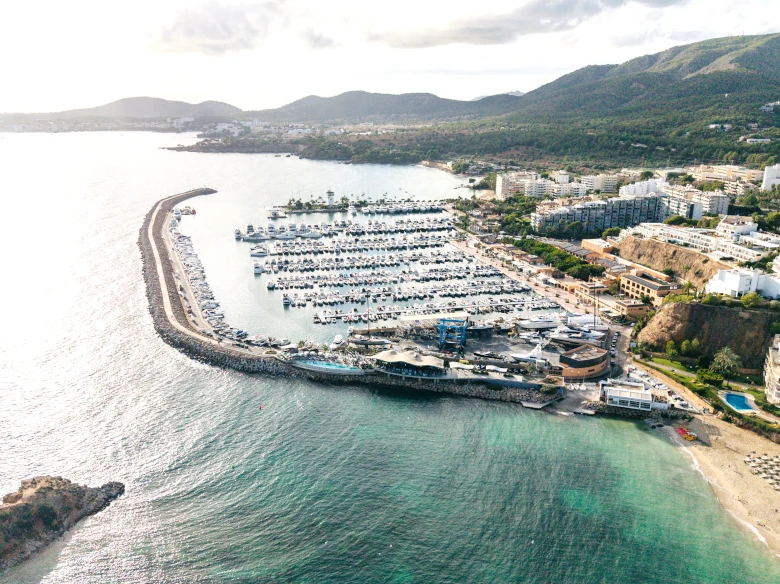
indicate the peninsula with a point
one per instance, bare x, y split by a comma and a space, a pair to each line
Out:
42, 510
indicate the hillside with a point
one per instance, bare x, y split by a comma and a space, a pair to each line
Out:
747, 332
357, 106
139, 108
687, 264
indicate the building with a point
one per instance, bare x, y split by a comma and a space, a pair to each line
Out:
732, 225
572, 189
639, 287
676, 206
508, 184
600, 215
743, 248
604, 183
584, 362
653, 185
630, 308
560, 176
772, 372
625, 394
738, 282
408, 364
536, 188
712, 202
738, 188
599, 246
587, 291
723, 172
771, 177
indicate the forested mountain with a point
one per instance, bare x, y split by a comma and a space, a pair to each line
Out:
358, 106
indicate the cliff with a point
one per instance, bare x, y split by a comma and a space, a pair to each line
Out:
747, 332
687, 264
43, 509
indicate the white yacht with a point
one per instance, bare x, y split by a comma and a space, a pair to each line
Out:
352, 210
285, 233
543, 322
271, 230
258, 251
238, 235
258, 268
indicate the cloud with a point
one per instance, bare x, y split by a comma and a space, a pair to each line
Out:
214, 29
535, 17
316, 40
653, 34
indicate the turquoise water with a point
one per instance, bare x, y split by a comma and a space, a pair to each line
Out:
738, 402
326, 483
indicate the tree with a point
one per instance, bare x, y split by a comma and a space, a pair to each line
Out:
751, 300
688, 287
611, 232
725, 362
671, 349
646, 299
614, 287
695, 346
685, 348
646, 174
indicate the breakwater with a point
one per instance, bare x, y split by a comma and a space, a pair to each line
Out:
174, 326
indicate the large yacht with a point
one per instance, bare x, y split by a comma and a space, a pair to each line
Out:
258, 251
542, 322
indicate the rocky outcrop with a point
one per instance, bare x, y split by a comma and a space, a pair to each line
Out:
747, 332
42, 510
687, 264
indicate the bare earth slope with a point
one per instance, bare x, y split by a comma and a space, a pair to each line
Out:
747, 332
686, 263
43, 509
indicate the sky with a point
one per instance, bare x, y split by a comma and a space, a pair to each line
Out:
262, 54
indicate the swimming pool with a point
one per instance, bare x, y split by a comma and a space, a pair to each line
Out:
738, 402
327, 366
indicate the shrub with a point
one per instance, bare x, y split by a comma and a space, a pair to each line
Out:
709, 377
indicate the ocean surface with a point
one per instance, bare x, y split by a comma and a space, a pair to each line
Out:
325, 484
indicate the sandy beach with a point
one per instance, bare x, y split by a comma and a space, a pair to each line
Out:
719, 455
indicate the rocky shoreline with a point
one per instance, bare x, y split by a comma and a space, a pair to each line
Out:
42, 510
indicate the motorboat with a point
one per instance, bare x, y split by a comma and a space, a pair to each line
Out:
338, 343
542, 322
258, 251
238, 235
258, 268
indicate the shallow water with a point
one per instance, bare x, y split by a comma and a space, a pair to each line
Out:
326, 483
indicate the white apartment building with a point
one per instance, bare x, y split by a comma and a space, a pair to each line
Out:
683, 207
509, 183
560, 176
745, 248
723, 172
604, 183
732, 225
712, 202
738, 282
654, 185
571, 189
771, 177
537, 188
772, 372
737, 188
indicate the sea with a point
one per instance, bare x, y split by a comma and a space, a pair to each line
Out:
325, 483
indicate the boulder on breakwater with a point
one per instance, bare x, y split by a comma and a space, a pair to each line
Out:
42, 510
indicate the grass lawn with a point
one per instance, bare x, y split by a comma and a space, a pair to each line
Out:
672, 364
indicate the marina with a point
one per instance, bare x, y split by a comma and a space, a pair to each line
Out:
364, 293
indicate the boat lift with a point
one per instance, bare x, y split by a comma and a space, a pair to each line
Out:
452, 333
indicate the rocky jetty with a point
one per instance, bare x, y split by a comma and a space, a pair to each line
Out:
42, 510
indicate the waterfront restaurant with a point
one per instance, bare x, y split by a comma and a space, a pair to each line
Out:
625, 394
409, 364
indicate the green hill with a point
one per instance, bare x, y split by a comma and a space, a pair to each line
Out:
358, 106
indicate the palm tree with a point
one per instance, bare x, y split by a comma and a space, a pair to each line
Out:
725, 362
688, 286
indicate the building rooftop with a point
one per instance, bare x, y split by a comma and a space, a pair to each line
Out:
651, 283
409, 358
584, 353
